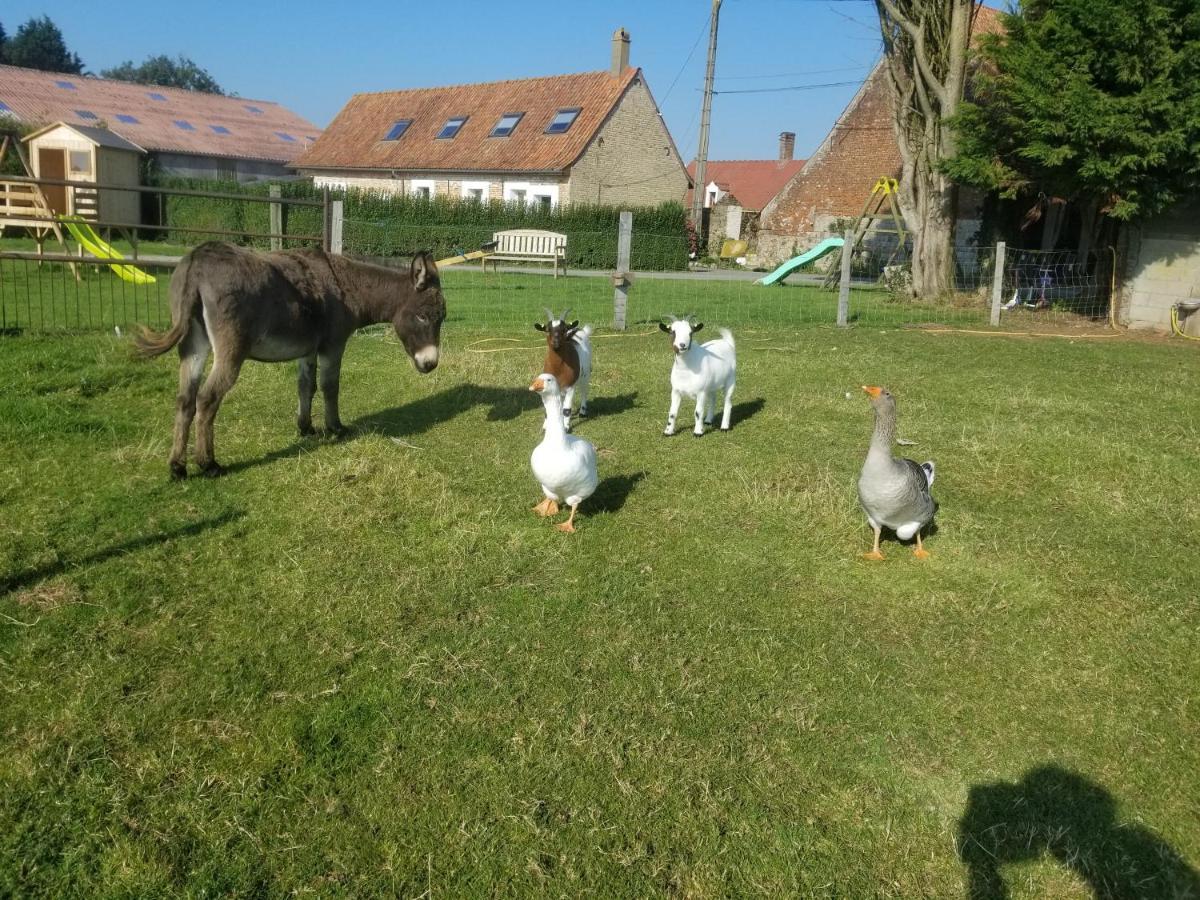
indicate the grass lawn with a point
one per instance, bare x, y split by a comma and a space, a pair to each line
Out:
364, 668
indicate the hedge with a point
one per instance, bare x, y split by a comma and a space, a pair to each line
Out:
385, 225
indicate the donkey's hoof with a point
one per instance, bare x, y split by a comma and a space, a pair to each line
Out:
307, 430
337, 432
178, 471
212, 470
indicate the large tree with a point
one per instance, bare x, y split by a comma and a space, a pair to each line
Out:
926, 43
3, 41
38, 44
162, 70
1095, 102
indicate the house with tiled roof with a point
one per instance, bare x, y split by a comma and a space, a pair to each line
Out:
750, 183
595, 137
836, 181
185, 133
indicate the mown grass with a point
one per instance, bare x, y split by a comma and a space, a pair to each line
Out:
364, 668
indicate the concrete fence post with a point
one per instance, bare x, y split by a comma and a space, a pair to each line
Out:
843, 309
621, 278
276, 220
335, 227
997, 283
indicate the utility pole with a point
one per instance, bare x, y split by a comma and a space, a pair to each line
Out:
699, 189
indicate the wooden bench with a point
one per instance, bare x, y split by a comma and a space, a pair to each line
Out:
529, 245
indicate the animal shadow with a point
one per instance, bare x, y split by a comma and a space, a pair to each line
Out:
421, 415
746, 410
1060, 813
611, 406
613, 491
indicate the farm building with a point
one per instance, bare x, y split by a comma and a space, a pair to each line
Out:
595, 137
182, 133
738, 190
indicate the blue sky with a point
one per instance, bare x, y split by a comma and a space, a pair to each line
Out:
312, 56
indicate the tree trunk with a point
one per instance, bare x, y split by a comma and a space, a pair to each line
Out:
926, 49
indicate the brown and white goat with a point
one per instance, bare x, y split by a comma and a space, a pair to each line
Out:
568, 359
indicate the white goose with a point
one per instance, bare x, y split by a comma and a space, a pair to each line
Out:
894, 492
563, 464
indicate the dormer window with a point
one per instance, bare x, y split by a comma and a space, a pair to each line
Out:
452, 127
562, 121
506, 125
397, 130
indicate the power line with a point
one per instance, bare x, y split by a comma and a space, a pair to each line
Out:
794, 87
794, 74
703, 28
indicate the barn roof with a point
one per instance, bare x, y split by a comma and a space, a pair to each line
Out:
357, 137
754, 182
158, 118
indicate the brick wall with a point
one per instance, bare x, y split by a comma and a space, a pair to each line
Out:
443, 185
837, 180
632, 160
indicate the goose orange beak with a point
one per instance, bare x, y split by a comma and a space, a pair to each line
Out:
538, 385
874, 392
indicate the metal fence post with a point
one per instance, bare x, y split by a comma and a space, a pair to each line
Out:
335, 227
621, 279
997, 282
276, 226
843, 310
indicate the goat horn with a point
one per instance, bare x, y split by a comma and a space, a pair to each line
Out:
549, 315
566, 312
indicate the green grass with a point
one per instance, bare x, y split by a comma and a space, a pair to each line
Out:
364, 668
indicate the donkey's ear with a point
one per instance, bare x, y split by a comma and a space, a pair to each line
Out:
539, 326
662, 326
697, 327
424, 270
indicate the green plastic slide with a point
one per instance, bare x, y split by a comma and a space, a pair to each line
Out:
796, 262
93, 244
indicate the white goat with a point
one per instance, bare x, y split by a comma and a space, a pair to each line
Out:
700, 370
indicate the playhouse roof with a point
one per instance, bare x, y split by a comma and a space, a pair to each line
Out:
101, 137
157, 118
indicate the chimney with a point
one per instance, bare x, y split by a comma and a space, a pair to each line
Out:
620, 52
787, 145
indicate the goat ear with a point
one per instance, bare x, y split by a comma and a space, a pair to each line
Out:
574, 325
697, 327
662, 326
539, 326
423, 270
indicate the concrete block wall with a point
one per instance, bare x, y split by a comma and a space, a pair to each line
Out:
1163, 268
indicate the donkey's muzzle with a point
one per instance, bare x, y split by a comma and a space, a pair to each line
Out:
426, 359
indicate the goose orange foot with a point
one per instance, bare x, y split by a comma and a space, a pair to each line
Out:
921, 553
873, 555
566, 526
547, 507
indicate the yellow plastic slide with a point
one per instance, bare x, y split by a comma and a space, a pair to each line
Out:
95, 245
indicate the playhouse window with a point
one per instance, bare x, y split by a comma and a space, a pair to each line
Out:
452, 127
81, 162
563, 121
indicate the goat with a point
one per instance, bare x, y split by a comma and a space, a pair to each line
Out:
568, 359
700, 370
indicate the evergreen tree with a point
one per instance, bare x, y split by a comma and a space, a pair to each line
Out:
162, 70
38, 44
1092, 101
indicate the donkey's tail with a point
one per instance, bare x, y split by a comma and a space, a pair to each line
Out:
184, 300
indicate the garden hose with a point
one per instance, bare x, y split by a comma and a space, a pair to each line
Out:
1194, 306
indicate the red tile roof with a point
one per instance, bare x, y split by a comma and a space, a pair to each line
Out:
754, 182
39, 98
354, 139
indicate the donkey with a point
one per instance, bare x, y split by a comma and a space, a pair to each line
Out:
273, 307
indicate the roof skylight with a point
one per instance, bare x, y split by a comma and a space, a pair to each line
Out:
220, 129
452, 127
397, 130
562, 122
506, 125
127, 119
85, 114
159, 97
253, 109
284, 136
184, 125
65, 85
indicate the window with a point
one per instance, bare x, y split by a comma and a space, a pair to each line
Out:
127, 119
421, 187
536, 194
397, 130
507, 123
562, 121
518, 196
184, 125
4, 107
81, 162
284, 136
85, 114
422, 192
451, 128
478, 191
65, 85
253, 109
159, 97
545, 201
220, 129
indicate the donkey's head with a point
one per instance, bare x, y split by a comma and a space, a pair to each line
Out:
419, 320
681, 331
558, 330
